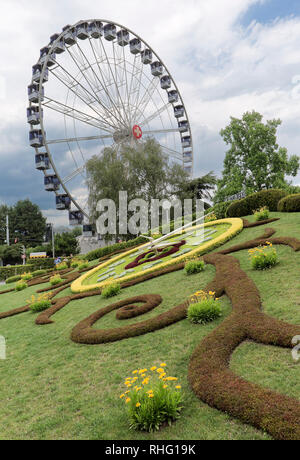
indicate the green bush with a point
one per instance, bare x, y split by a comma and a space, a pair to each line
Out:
13, 279
194, 266
111, 290
263, 258
39, 272
204, 308
262, 214
14, 270
62, 266
41, 264
245, 207
290, 203
152, 399
27, 277
102, 252
42, 305
21, 285
37, 307
220, 210
83, 266
55, 280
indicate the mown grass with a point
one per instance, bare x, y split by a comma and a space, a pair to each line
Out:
52, 388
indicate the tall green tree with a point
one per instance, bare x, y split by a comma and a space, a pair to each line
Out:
65, 244
27, 223
4, 211
201, 188
143, 172
254, 160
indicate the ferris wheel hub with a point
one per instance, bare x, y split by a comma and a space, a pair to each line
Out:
122, 135
137, 132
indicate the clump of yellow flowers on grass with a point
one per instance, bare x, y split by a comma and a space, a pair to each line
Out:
152, 398
203, 307
40, 303
263, 257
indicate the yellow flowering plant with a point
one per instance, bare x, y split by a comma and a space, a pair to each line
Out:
263, 257
203, 307
26, 277
61, 266
40, 303
56, 279
152, 398
261, 214
111, 289
211, 218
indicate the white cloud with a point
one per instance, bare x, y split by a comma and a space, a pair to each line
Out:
221, 68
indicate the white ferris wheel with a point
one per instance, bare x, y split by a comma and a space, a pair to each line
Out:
105, 87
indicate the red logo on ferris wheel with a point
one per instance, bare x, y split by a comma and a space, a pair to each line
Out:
137, 132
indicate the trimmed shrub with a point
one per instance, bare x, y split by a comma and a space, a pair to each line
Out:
13, 279
152, 399
220, 210
290, 203
39, 272
204, 308
262, 214
83, 266
111, 290
102, 252
41, 264
245, 207
21, 285
194, 266
14, 270
27, 277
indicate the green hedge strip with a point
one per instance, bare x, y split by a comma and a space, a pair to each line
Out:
290, 203
33, 265
245, 207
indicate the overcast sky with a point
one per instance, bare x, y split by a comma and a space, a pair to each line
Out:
227, 57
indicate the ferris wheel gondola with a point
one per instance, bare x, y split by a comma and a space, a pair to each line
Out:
105, 87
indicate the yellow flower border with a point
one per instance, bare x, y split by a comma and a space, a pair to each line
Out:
77, 286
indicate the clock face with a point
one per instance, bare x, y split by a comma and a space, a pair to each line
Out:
194, 241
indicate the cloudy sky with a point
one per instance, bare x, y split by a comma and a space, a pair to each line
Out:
227, 57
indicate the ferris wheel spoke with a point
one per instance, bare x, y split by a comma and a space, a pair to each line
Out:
171, 152
161, 131
114, 79
114, 108
78, 139
149, 92
74, 114
81, 92
84, 74
119, 84
97, 82
155, 114
74, 174
134, 88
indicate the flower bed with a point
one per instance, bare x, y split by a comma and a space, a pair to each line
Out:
96, 278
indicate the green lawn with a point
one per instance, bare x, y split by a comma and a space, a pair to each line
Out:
52, 388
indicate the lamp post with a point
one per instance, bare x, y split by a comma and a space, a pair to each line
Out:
7, 230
